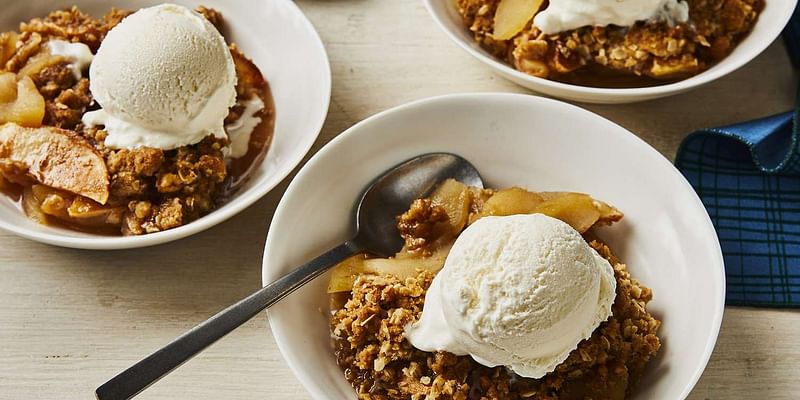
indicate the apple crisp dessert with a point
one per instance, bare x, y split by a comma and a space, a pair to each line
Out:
374, 300
61, 170
647, 53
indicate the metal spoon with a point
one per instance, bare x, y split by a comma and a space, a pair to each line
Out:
376, 233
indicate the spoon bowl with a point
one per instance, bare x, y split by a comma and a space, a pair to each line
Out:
391, 194
387, 196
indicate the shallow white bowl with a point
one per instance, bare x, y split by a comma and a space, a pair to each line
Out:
666, 237
769, 26
281, 41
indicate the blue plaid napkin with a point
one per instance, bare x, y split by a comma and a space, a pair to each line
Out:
748, 176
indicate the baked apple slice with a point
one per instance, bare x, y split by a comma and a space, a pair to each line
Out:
88, 212
57, 158
575, 203
579, 210
511, 201
20, 101
511, 17
455, 197
69, 208
346, 272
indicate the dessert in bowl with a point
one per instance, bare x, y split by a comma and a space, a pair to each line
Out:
153, 123
612, 51
565, 149
496, 294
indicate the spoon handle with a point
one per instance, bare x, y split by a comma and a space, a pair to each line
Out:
149, 370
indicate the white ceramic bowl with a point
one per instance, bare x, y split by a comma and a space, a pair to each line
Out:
666, 237
769, 26
281, 41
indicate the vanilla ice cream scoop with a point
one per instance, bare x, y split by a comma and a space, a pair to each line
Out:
164, 78
563, 15
520, 291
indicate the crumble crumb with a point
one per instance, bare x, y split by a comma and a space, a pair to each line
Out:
416, 225
73, 25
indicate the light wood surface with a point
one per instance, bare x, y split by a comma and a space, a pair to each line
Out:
71, 319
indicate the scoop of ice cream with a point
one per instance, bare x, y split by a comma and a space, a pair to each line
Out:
520, 291
563, 15
164, 78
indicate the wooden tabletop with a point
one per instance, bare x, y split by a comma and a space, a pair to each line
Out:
71, 319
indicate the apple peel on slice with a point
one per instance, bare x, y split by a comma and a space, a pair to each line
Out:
579, 210
346, 272
57, 158
511, 17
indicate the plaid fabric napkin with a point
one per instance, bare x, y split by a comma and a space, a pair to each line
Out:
748, 176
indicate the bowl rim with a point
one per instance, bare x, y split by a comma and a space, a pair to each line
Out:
235, 205
270, 274
725, 66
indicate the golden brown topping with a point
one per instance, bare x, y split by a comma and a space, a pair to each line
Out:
417, 225
479, 18
54, 79
67, 108
73, 25
57, 158
28, 44
144, 161
132, 170
143, 217
212, 16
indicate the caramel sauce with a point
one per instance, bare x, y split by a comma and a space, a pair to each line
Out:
241, 168
15, 193
11, 190
597, 76
100, 230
